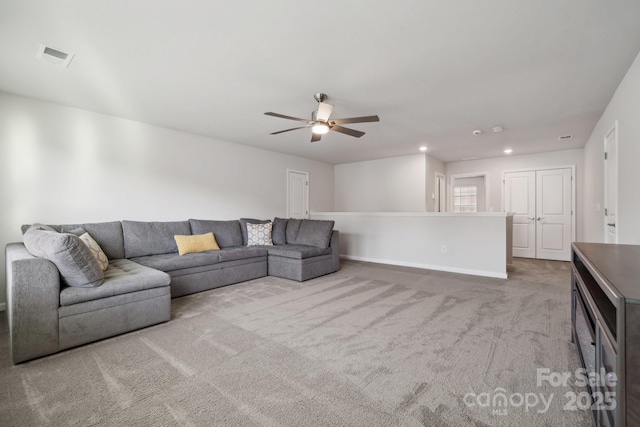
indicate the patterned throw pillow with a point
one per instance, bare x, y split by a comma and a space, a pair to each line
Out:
259, 234
96, 250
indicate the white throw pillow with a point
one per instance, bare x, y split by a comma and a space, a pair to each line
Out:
96, 250
259, 234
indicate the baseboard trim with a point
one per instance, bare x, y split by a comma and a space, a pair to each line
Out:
428, 267
3, 306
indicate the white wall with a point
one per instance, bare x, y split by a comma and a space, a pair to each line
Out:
66, 165
496, 166
625, 108
394, 184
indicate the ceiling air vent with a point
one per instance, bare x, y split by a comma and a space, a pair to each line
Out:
565, 137
54, 56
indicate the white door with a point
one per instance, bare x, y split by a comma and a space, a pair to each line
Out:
519, 198
553, 214
611, 185
297, 194
542, 202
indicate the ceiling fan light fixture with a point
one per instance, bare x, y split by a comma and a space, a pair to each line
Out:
320, 128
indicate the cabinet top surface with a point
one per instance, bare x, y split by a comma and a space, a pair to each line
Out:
618, 265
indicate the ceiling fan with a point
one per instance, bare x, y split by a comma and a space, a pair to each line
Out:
320, 123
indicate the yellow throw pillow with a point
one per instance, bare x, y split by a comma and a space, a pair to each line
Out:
196, 243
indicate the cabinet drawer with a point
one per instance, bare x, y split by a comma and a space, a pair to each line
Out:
608, 369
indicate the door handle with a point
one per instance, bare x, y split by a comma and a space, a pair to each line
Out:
540, 217
611, 225
531, 219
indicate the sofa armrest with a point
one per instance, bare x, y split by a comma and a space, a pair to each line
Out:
335, 250
33, 299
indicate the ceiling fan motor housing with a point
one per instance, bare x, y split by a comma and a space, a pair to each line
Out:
320, 97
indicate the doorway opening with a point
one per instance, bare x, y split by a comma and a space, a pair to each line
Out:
469, 192
440, 193
611, 185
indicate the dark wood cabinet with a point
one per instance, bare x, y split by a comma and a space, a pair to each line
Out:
605, 319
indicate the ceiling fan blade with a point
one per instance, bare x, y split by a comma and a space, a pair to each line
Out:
287, 130
324, 111
364, 119
282, 116
315, 137
347, 131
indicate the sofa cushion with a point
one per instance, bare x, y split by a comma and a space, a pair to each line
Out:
297, 251
234, 254
171, 262
196, 243
243, 226
122, 276
293, 227
74, 260
259, 234
107, 234
315, 233
227, 233
152, 238
279, 231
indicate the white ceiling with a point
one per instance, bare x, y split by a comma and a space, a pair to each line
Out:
432, 70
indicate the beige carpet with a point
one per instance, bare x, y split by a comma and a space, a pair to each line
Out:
371, 345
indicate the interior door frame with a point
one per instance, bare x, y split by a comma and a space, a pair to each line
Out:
574, 213
613, 128
441, 196
469, 175
306, 195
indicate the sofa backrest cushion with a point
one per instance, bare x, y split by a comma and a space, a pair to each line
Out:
243, 227
227, 233
107, 234
152, 238
293, 227
74, 260
315, 233
279, 231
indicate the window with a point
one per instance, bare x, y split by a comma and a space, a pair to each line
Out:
465, 198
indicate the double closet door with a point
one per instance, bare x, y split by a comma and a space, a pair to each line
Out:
542, 203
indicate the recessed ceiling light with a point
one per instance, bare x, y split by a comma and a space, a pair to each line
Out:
423, 148
508, 151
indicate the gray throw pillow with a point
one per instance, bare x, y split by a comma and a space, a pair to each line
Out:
107, 234
74, 260
315, 233
279, 231
243, 226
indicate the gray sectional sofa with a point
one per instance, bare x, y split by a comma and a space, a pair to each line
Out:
49, 312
